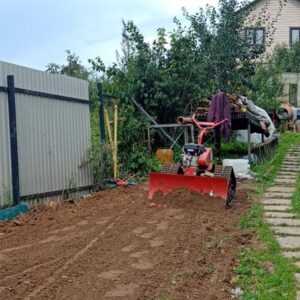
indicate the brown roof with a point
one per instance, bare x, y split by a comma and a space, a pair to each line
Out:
253, 2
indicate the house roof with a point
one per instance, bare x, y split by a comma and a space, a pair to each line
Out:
254, 2
248, 5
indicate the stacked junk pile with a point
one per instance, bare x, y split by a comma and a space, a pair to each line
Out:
287, 116
196, 171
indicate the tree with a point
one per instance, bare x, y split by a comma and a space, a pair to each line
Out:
73, 67
173, 74
208, 53
170, 76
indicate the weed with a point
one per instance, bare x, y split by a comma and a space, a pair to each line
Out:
6, 200
71, 192
208, 245
165, 296
100, 158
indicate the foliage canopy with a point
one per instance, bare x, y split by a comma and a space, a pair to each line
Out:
171, 76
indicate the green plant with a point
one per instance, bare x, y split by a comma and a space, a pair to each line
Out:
70, 193
101, 162
7, 199
73, 67
267, 85
288, 58
234, 149
164, 296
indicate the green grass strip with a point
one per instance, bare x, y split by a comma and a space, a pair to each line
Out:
263, 273
296, 198
267, 171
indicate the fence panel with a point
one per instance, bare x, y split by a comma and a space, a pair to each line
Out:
5, 167
53, 131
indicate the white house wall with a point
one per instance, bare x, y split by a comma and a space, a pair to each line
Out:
289, 17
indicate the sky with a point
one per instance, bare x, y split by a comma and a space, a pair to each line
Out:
34, 33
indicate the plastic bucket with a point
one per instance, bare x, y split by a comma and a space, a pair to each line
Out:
165, 156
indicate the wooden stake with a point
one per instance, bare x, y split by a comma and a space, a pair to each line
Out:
116, 140
106, 117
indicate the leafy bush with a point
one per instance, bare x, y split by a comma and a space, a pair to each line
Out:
133, 143
234, 148
173, 74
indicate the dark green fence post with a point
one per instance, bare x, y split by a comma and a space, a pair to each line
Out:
13, 139
101, 112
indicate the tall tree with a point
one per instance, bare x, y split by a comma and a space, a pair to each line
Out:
73, 67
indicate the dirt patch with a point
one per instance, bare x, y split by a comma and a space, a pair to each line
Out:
111, 275
139, 254
122, 290
143, 264
112, 246
184, 198
162, 225
130, 247
3, 257
139, 230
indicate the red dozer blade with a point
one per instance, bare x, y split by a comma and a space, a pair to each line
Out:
204, 185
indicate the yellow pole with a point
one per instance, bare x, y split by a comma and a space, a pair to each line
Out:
106, 117
116, 140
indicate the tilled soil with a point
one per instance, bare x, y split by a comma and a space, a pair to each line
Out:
112, 246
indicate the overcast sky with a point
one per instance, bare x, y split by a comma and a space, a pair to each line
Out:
36, 32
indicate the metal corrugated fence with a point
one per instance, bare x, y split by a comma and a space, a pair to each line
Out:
53, 134
5, 168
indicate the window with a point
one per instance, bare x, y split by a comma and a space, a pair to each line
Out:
255, 36
294, 35
293, 94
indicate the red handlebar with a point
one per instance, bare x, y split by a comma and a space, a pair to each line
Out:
204, 127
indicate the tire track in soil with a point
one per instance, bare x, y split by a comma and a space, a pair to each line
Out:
172, 252
71, 260
49, 239
48, 253
43, 249
131, 276
106, 259
99, 222
161, 256
185, 240
158, 257
51, 279
28, 270
104, 263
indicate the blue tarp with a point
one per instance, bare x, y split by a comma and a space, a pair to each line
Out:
12, 212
